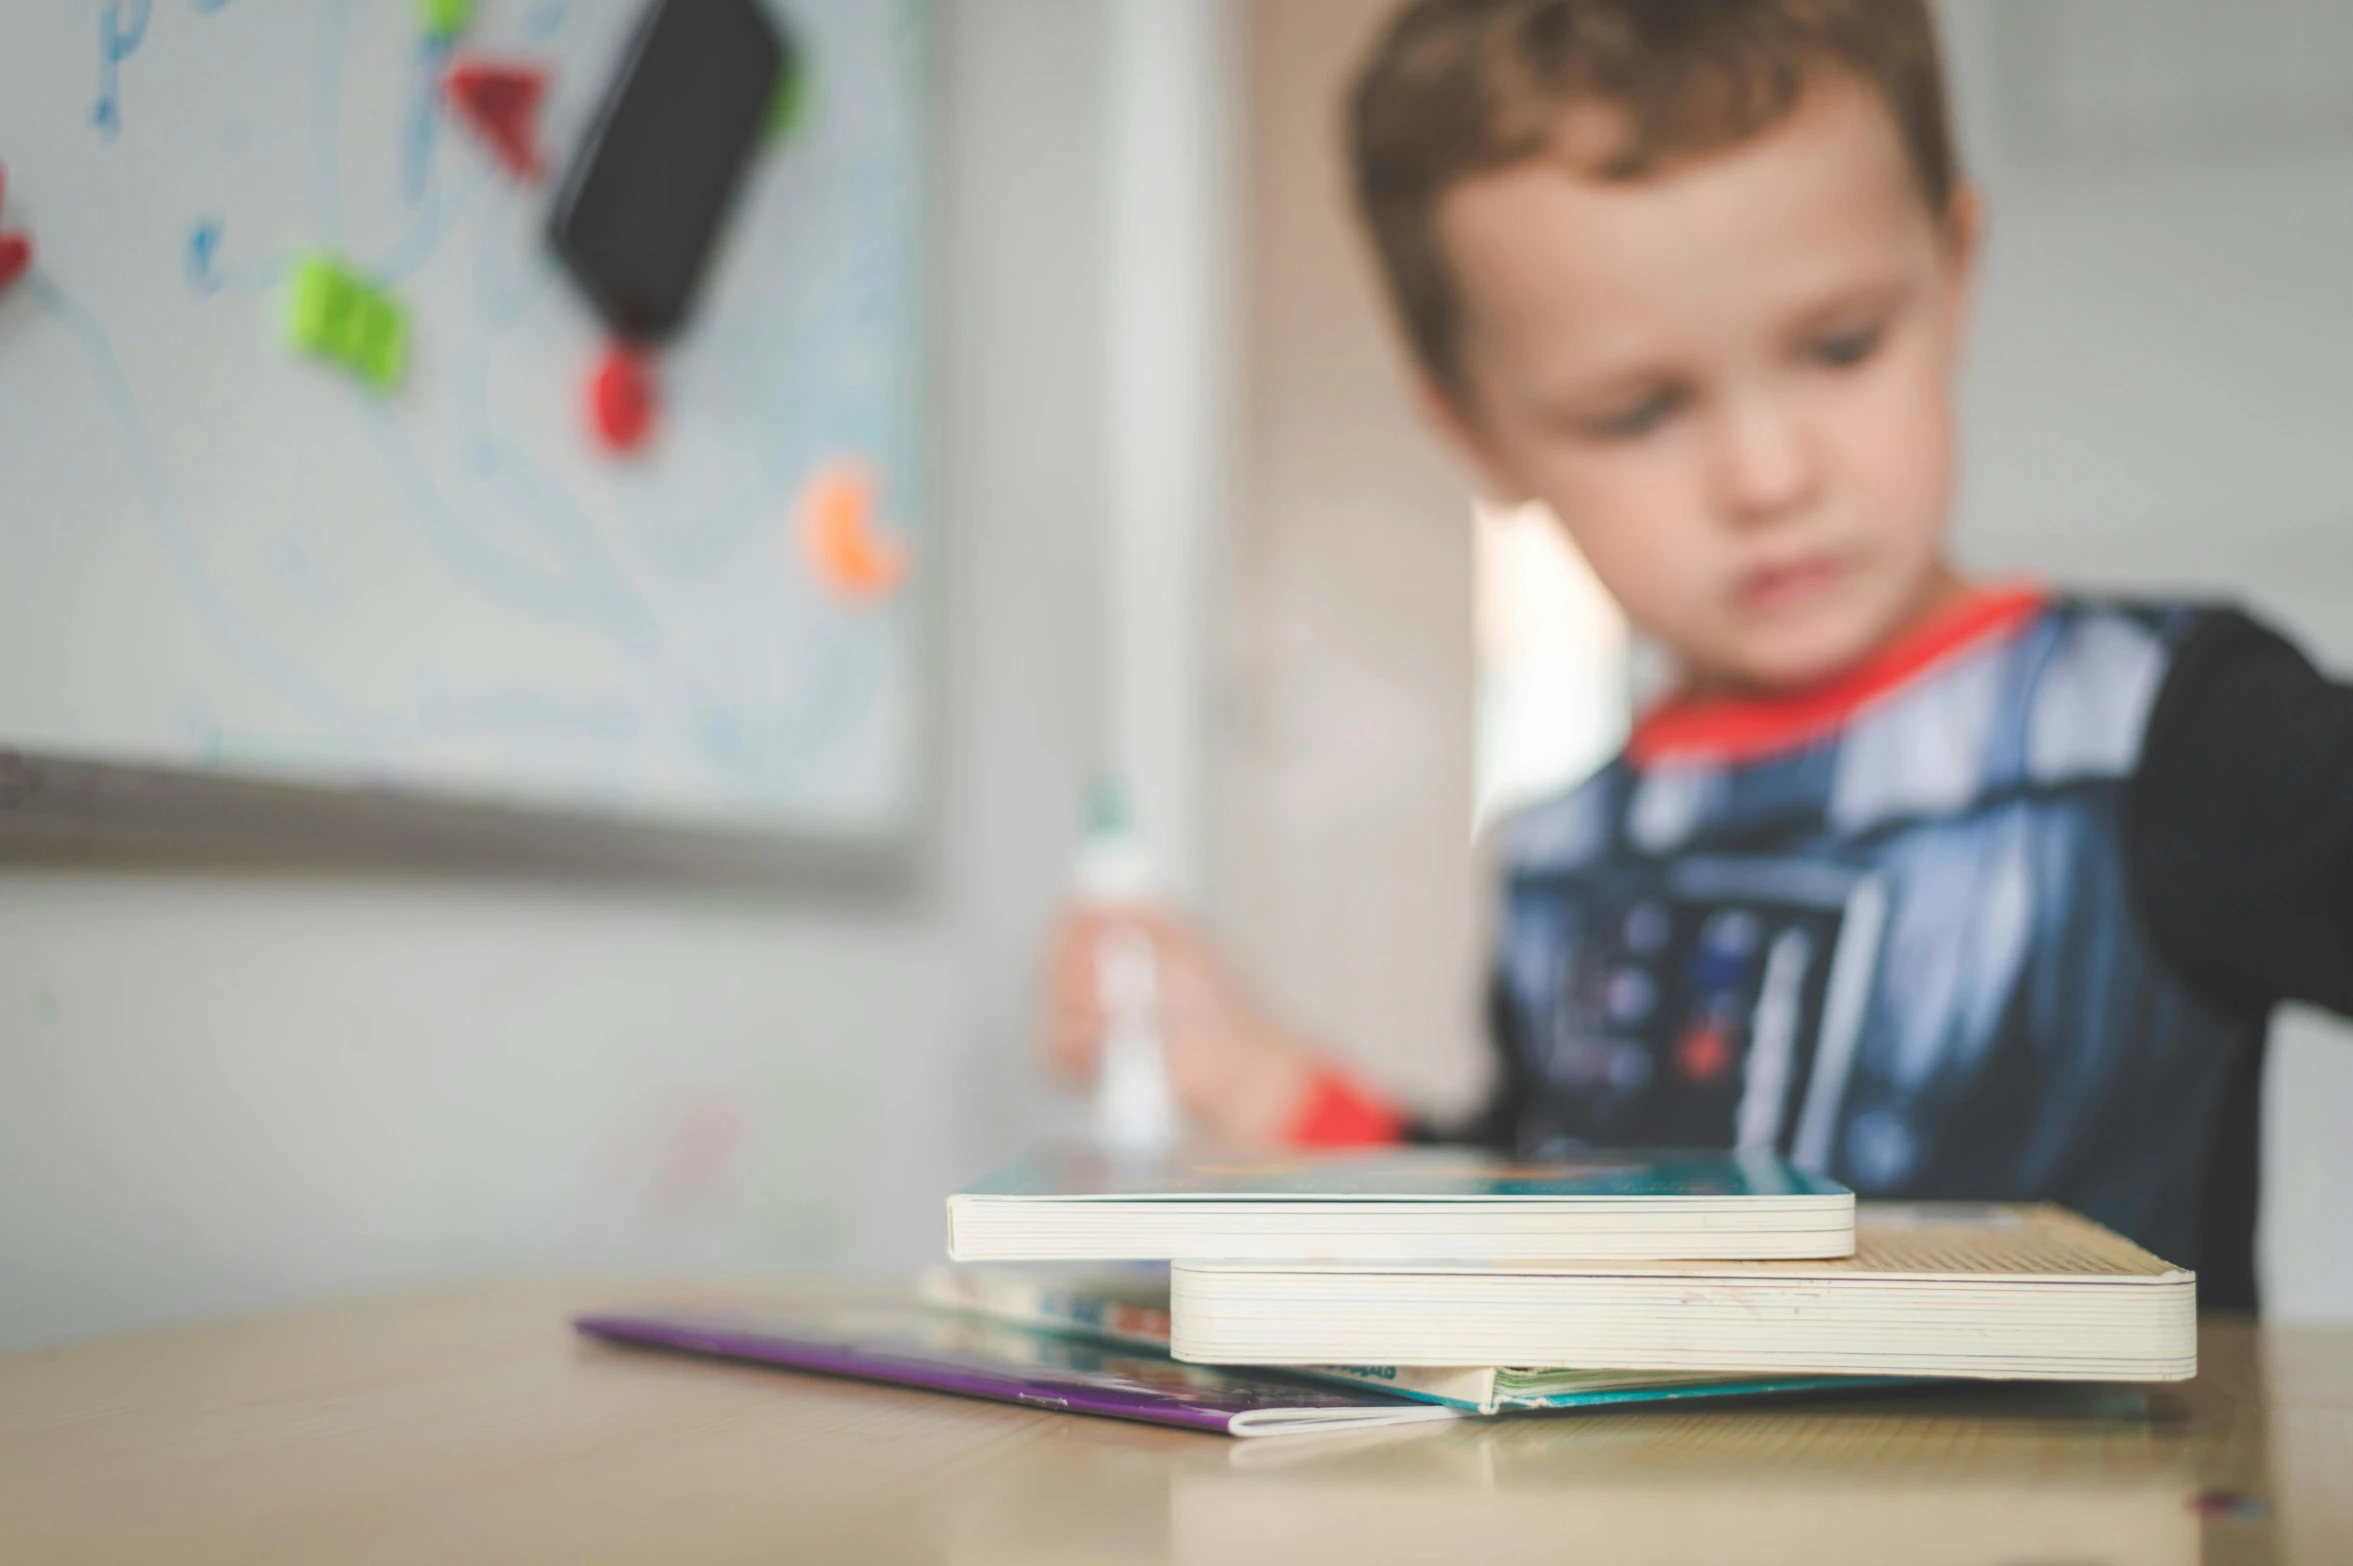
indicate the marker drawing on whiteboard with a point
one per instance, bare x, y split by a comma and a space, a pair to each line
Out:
122, 28
204, 242
209, 273
119, 37
547, 19
249, 644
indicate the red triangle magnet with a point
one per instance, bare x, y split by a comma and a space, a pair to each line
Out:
501, 101
16, 257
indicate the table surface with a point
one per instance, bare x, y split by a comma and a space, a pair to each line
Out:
471, 1424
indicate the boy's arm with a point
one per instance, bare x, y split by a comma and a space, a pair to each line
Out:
2239, 821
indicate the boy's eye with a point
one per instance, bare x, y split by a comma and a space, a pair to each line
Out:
1838, 350
1639, 417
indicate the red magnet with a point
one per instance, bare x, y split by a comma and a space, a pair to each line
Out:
16, 250
16, 257
501, 102
622, 399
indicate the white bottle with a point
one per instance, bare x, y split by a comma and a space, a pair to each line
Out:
1134, 1110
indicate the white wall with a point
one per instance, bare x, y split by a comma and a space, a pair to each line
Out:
2159, 401
219, 1090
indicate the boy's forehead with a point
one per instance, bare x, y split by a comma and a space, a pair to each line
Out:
1806, 203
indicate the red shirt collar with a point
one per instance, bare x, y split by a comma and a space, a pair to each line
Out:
1737, 729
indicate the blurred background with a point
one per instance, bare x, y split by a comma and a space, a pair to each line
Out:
1175, 522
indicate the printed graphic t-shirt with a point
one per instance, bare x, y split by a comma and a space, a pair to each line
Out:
2000, 917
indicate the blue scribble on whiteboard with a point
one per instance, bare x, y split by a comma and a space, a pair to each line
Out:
120, 33
209, 275
546, 20
424, 119
118, 40
204, 242
253, 650
422, 239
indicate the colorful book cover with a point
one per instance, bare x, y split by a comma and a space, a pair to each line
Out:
1128, 1304
917, 1346
1124, 1302
1436, 1174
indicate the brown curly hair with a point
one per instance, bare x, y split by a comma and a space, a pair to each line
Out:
1457, 88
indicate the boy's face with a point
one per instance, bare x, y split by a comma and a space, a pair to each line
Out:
1730, 380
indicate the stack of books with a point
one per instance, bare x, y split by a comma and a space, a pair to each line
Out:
1255, 1294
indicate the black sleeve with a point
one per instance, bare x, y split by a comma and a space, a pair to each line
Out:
2239, 822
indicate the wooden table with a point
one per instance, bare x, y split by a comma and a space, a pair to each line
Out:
469, 1424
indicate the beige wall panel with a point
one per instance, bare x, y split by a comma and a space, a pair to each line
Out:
1344, 787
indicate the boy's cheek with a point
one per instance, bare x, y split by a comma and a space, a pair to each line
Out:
1910, 475
1893, 437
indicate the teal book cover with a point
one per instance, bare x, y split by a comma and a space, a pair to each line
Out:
1478, 1390
1438, 1174
1128, 1305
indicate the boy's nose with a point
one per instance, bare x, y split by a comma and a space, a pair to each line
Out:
1766, 467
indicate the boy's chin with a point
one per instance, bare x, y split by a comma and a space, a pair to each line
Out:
1789, 657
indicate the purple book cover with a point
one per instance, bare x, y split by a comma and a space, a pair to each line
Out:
912, 1345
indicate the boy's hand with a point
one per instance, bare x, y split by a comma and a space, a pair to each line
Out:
1238, 1074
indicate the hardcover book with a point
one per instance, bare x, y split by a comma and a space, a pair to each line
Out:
1932, 1290
1427, 1204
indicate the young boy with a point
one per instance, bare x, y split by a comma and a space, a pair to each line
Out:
1944, 889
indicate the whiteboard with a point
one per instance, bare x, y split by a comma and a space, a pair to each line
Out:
219, 557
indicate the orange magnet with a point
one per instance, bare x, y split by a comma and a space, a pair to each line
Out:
838, 514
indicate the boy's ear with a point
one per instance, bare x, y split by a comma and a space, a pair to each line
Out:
1964, 238
1443, 410
1964, 225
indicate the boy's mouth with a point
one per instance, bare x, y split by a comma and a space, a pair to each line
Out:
1791, 585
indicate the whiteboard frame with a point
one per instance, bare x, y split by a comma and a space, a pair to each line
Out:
56, 810
63, 809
